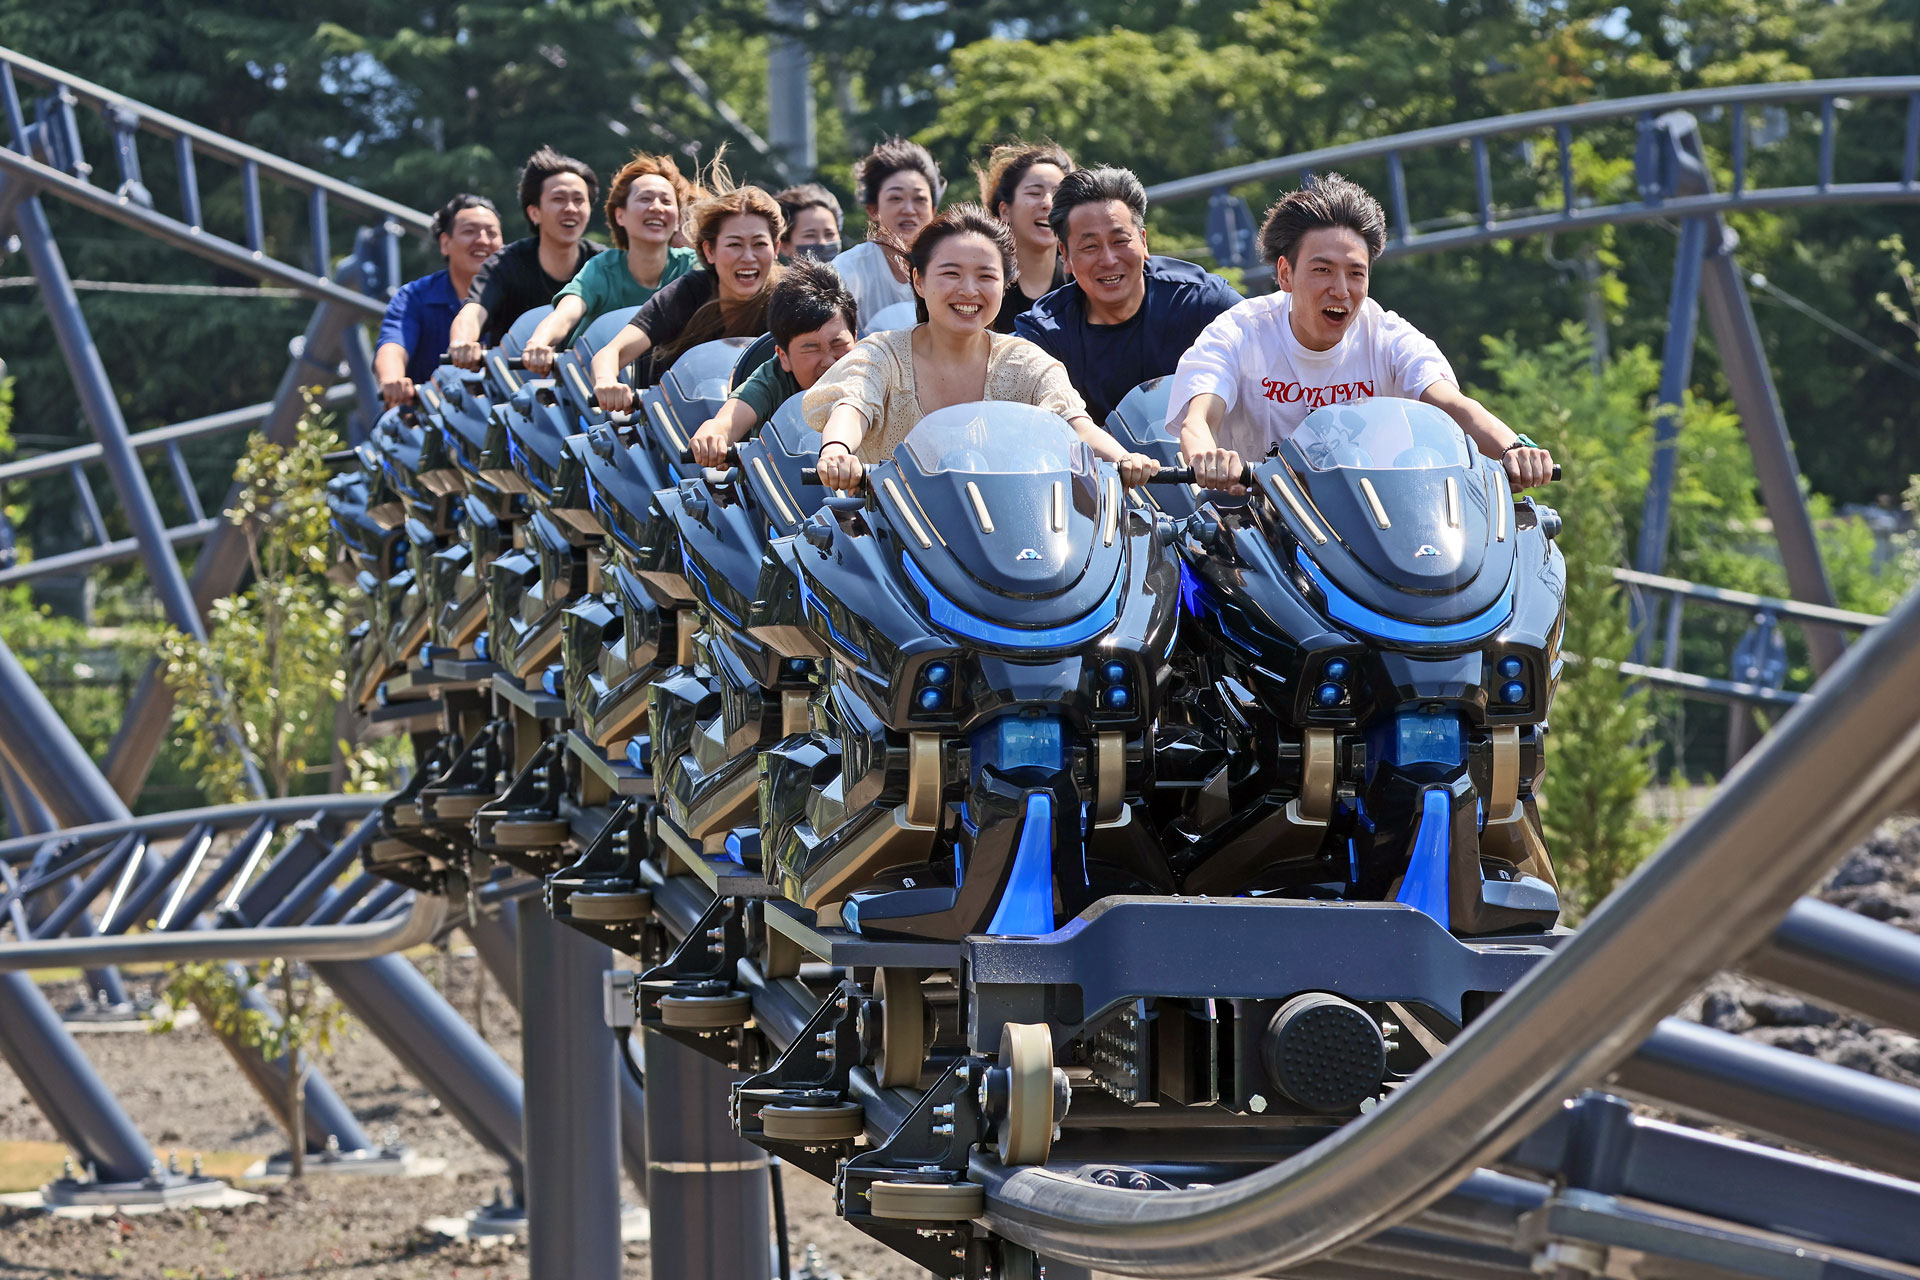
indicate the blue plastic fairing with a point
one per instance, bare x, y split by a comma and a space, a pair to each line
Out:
1347, 611
950, 617
1425, 886
1026, 905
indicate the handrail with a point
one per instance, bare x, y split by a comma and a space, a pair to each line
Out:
41, 464
1547, 117
219, 817
1840, 761
296, 942
219, 145
1747, 600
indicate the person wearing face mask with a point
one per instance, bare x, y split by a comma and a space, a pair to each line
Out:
1128, 315
557, 194
868, 402
813, 222
1259, 369
810, 315
736, 232
415, 329
1018, 185
900, 185
644, 202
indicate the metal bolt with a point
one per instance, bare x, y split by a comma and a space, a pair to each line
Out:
1389, 1028
173, 1162
1568, 1255
1257, 1104
199, 1171
943, 1112
1368, 1104
944, 1129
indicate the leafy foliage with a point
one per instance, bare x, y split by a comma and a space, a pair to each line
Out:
308, 1022
271, 661
1599, 760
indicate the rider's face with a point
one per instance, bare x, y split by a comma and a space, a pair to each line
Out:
811, 354
1107, 253
475, 238
565, 208
963, 284
742, 255
905, 204
1027, 212
1328, 280
813, 225
651, 214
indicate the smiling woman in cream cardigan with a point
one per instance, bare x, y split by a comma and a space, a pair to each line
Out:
865, 405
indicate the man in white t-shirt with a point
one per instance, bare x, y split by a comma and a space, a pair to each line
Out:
1257, 371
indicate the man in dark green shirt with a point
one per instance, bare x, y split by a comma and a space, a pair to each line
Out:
810, 316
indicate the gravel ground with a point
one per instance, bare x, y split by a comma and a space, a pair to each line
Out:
183, 1094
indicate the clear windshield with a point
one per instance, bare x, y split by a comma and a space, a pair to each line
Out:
790, 426
705, 372
1384, 434
995, 438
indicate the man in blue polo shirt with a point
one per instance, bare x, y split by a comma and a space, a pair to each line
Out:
414, 332
1127, 316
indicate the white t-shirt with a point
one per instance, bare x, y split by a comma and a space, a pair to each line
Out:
866, 273
1250, 358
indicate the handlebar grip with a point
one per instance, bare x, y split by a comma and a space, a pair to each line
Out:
1184, 475
1556, 472
810, 476
516, 362
733, 457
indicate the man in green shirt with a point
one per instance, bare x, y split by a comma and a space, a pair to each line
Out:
645, 206
810, 315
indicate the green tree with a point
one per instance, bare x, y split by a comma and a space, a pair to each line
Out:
1599, 758
309, 1022
271, 661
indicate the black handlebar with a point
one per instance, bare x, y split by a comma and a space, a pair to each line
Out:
1184, 475
732, 459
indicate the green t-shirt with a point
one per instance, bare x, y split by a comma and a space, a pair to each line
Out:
766, 389
605, 284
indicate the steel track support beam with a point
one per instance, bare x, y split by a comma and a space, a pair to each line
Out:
222, 561
702, 1178
1743, 358
495, 937
39, 746
1676, 374
571, 1144
65, 1087
102, 409
27, 816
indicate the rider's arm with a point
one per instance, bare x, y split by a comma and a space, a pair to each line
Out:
1525, 466
390, 371
463, 340
1213, 467
1055, 391
550, 332
733, 423
627, 346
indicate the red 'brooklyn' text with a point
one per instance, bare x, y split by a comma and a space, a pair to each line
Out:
1316, 397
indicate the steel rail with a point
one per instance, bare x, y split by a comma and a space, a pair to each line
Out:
220, 817
1795, 609
207, 142
1844, 758
41, 464
1606, 109
47, 180
317, 942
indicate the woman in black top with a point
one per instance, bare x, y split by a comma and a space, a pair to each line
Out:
1018, 185
737, 232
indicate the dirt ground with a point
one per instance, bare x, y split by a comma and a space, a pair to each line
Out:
184, 1094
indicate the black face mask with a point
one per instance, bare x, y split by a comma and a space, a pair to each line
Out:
825, 251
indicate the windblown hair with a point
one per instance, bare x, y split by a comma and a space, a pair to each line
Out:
891, 156
642, 166
443, 216
715, 318
548, 163
1325, 202
1097, 186
808, 296
958, 220
1007, 167
795, 201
